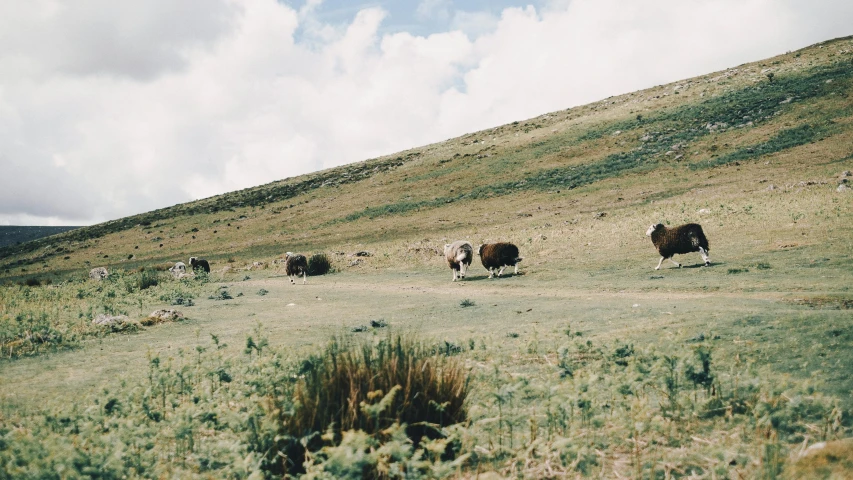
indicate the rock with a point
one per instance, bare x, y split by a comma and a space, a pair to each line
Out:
845, 173
116, 323
162, 316
842, 188
362, 254
98, 273
772, 187
600, 214
704, 210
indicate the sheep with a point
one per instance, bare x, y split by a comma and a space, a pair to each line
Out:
294, 265
179, 270
199, 263
682, 239
499, 256
458, 255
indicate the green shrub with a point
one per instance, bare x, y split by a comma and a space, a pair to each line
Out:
319, 264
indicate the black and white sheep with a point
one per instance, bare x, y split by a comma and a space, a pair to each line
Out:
499, 256
296, 264
459, 255
679, 240
199, 263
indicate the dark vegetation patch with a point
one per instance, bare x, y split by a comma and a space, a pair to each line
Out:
825, 302
319, 264
15, 235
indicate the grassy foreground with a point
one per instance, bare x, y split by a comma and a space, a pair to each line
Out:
588, 364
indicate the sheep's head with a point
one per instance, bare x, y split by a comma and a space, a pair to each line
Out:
446, 247
480, 249
653, 228
192, 261
288, 255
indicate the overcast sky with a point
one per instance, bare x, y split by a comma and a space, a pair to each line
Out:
111, 108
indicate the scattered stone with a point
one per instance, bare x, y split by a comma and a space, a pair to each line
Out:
845, 173
600, 214
116, 323
359, 329
378, 323
98, 273
842, 188
162, 316
704, 210
771, 187
362, 254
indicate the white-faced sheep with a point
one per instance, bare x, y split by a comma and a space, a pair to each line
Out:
679, 240
199, 263
499, 256
295, 265
459, 255
178, 270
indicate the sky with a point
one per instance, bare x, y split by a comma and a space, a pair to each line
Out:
109, 109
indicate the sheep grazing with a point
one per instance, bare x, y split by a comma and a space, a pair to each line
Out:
499, 256
199, 263
682, 239
459, 255
178, 270
294, 265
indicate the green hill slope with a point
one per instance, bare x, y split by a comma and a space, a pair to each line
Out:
784, 120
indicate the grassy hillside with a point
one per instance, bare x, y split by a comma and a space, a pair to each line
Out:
15, 235
588, 363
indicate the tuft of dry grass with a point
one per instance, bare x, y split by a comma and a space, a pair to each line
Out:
370, 387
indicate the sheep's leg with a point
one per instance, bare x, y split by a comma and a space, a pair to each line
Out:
454, 274
659, 263
676, 263
304, 278
291, 279
516, 269
501, 271
705, 257
491, 272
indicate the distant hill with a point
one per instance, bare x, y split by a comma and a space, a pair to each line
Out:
13, 235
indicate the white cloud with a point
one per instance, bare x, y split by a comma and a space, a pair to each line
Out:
106, 112
434, 9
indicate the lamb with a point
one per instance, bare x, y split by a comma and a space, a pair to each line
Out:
499, 256
294, 265
682, 239
199, 263
179, 270
458, 255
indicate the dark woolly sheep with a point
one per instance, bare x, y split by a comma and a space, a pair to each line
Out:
679, 240
295, 265
499, 256
459, 255
199, 263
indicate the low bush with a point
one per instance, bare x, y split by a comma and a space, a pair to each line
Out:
319, 264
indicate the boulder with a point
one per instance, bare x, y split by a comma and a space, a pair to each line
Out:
162, 316
98, 273
116, 323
